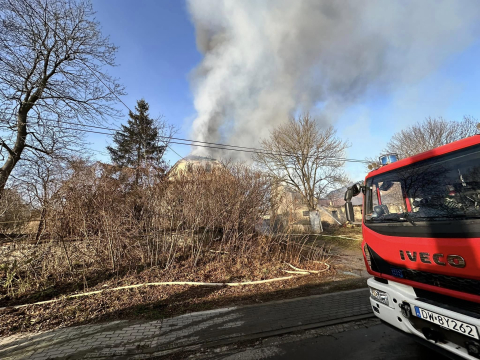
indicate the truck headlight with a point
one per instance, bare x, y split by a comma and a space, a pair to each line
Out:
380, 296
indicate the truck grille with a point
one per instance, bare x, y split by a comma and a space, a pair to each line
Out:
465, 307
464, 285
469, 286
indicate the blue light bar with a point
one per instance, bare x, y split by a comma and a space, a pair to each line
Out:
388, 159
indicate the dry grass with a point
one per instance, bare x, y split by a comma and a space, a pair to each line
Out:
100, 232
163, 301
159, 302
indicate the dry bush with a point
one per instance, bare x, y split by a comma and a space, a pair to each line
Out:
99, 223
15, 213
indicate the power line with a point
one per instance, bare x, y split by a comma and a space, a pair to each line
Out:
219, 147
198, 143
161, 136
180, 156
190, 143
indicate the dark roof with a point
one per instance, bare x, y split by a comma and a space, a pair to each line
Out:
198, 158
337, 197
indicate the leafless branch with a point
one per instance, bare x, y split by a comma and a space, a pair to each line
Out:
52, 54
303, 157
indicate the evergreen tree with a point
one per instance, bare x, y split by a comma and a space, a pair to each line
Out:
138, 143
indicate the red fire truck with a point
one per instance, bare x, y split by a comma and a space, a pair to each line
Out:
421, 244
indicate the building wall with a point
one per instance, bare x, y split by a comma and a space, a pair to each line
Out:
189, 164
338, 212
296, 213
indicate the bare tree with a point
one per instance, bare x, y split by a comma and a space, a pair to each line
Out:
39, 179
427, 135
52, 56
305, 158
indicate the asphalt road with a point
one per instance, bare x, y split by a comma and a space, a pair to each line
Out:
371, 341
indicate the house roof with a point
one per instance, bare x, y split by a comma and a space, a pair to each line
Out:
193, 159
337, 197
198, 158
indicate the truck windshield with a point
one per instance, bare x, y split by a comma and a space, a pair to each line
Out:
440, 188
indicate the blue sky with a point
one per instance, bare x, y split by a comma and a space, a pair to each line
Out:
158, 52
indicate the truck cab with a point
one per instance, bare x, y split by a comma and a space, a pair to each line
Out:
421, 244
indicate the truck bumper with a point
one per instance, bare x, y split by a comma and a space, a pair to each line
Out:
401, 295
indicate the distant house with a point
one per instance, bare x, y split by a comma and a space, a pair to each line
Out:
331, 209
293, 211
297, 216
334, 205
191, 163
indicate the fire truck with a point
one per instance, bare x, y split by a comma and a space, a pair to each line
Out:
421, 244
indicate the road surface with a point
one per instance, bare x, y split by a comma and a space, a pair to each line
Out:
366, 340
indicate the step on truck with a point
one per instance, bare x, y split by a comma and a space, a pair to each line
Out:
421, 244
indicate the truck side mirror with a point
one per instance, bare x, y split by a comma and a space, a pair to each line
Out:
356, 189
348, 194
349, 211
352, 191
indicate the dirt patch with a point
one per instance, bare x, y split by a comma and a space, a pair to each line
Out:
347, 255
354, 232
344, 247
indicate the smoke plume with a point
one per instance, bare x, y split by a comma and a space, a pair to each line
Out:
267, 60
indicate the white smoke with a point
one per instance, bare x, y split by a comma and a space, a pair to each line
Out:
267, 60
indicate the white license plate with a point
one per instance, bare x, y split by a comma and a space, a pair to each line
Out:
447, 323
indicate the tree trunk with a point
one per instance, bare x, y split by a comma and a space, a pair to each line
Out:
15, 153
137, 169
41, 224
316, 222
